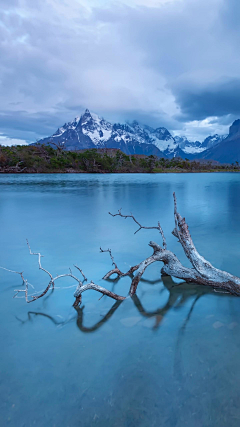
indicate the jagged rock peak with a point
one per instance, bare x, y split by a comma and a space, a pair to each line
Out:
90, 130
86, 114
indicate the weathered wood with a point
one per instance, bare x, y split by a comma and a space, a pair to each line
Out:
202, 271
82, 288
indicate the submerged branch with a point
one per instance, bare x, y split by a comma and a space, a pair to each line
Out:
93, 286
202, 273
116, 270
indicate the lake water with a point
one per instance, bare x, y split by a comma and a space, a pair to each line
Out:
168, 357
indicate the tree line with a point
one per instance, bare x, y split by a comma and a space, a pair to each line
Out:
48, 159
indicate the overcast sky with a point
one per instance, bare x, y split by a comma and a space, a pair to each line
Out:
172, 63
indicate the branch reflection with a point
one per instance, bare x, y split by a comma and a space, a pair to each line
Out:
179, 294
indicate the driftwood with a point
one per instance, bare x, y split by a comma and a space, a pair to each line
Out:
201, 273
177, 297
51, 283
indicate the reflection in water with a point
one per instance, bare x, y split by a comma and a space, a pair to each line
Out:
178, 364
80, 317
179, 294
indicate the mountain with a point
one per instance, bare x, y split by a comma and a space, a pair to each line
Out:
189, 147
193, 148
228, 149
90, 130
213, 140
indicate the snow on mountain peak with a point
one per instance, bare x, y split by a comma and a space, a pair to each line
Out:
75, 122
95, 127
100, 132
90, 130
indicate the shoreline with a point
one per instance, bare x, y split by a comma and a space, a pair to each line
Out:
115, 173
42, 159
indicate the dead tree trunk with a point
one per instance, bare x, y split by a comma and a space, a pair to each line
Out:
202, 272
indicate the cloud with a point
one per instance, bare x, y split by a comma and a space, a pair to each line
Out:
4, 140
203, 128
169, 63
215, 98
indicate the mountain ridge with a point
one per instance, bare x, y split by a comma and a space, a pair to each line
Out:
92, 131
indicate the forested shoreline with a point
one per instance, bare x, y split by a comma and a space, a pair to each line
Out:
46, 159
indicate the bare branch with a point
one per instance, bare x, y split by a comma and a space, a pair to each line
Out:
39, 262
93, 286
25, 282
12, 271
51, 282
79, 269
134, 219
40, 294
116, 270
142, 267
111, 256
120, 273
159, 228
163, 237
202, 273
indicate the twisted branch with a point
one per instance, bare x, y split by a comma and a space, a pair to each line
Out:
93, 286
159, 228
39, 263
51, 282
111, 256
83, 275
116, 270
202, 273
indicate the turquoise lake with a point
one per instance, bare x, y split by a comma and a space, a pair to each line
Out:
169, 356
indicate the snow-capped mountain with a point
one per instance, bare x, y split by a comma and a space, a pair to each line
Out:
86, 131
213, 140
189, 147
92, 131
197, 147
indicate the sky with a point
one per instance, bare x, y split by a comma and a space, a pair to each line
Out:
171, 63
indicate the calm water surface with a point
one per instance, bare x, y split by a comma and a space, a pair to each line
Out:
169, 357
